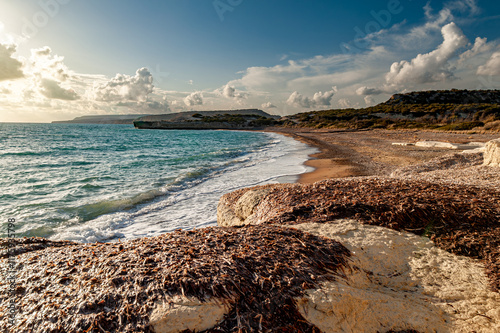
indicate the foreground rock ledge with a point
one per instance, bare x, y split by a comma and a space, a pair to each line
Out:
404, 281
213, 279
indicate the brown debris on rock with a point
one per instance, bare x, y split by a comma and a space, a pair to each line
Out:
18, 246
113, 287
463, 220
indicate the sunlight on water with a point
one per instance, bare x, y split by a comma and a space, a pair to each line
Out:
88, 182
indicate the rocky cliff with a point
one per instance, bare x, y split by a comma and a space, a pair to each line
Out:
453, 96
447, 110
224, 119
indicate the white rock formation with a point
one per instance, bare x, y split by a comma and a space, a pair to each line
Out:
242, 212
448, 145
403, 282
492, 153
181, 313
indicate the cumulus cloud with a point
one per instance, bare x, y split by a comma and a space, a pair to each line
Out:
10, 68
268, 105
492, 66
319, 99
125, 87
49, 75
369, 101
230, 92
193, 99
345, 103
429, 67
52, 89
149, 107
46, 65
366, 91
480, 46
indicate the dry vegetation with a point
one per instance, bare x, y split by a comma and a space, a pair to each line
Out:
113, 287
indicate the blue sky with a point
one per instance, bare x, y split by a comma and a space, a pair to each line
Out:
65, 58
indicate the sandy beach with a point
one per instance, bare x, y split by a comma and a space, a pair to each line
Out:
345, 153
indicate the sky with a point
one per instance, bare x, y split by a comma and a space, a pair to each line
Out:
60, 59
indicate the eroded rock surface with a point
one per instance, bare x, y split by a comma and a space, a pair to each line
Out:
404, 282
492, 153
181, 313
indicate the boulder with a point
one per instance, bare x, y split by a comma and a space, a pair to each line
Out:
492, 153
403, 282
181, 313
240, 212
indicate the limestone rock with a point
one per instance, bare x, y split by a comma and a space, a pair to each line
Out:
181, 313
241, 213
403, 282
492, 153
448, 145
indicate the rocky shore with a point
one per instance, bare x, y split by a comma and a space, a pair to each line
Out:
411, 244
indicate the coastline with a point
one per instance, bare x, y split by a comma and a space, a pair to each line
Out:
351, 153
297, 231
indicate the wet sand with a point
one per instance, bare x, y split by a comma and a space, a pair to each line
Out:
346, 153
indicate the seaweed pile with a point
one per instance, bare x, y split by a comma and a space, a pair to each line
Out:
463, 220
19, 246
447, 162
113, 287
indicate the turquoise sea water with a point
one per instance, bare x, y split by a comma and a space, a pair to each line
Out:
101, 182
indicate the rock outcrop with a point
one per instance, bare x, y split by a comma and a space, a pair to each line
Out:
492, 153
453, 96
180, 313
403, 283
224, 119
401, 280
214, 279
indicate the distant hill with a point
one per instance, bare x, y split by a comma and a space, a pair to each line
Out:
453, 96
220, 119
106, 119
452, 110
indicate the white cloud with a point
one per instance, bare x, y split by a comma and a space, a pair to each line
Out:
47, 74
52, 89
369, 101
10, 68
492, 66
268, 105
195, 98
480, 46
429, 67
345, 103
365, 91
148, 107
319, 99
126, 88
230, 92
45, 65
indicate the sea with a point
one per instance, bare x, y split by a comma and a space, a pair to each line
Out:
101, 183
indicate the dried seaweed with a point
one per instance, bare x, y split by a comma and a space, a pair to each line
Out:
17, 246
464, 220
113, 287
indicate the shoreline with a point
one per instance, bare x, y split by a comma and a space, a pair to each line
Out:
325, 165
352, 153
